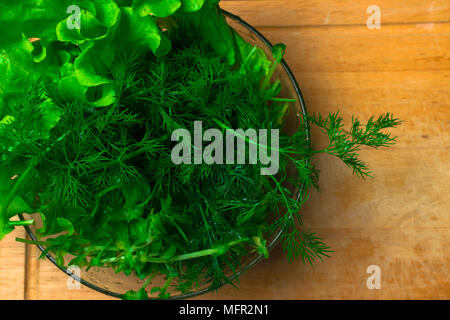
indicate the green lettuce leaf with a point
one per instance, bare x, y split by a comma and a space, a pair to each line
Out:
16, 206
158, 8
214, 30
192, 5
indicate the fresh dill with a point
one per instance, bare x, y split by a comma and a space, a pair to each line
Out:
97, 166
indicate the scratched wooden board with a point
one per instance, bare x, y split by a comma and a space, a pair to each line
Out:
286, 13
400, 219
12, 267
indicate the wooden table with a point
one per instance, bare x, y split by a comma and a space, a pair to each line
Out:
399, 220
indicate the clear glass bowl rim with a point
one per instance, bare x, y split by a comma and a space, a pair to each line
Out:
252, 262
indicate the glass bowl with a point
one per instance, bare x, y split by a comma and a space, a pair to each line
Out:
105, 280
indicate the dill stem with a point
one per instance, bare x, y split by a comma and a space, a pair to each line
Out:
321, 151
120, 159
127, 157
247, 59
269, 75
41, 243
132, 154
197, 254
180, 231
168, 282
283, 99
21, 223
149, 279
245, 138
100, 248
282, 113
98, 197
282, 194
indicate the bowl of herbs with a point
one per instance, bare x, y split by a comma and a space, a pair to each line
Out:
113, 121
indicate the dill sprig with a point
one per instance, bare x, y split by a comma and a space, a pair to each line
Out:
346, 144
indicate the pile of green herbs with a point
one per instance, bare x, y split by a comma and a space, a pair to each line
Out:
86, 117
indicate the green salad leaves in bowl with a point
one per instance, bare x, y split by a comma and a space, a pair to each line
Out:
160, 148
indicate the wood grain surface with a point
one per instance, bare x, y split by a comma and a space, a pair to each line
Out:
400, 220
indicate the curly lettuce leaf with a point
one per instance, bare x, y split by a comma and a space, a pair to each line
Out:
211, 25
96, 20
78, 59
158, 8
192, 5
